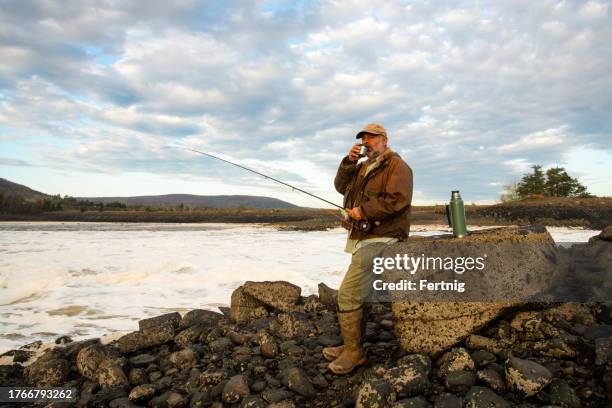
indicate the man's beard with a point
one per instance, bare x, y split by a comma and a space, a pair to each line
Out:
372, 154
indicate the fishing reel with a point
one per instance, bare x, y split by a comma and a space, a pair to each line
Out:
364, 225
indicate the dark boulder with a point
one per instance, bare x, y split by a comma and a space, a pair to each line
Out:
48, 372
142, 360
492, 379
142, 393
415, 402
92, 357
172, 319
148, 337
245, 308
328, 296
199, 317
479, 397
291, 325
236, 388
375, 393
562, 394
298, 381
527, 377
459, 381
111, 375
280, 296
408, 380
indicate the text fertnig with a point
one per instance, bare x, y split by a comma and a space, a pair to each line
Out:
422, 284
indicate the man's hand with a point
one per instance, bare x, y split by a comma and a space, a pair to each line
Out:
355, 213
353, 154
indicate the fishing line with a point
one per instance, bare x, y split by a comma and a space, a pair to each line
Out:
332, 213
260, 174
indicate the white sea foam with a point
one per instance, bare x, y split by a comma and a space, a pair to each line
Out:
569, 235
90, 279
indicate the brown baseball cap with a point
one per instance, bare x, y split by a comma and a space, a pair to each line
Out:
373, 129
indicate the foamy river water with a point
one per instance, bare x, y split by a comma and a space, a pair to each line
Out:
91, 279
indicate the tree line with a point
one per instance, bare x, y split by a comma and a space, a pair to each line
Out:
11, 203
554, 182
17, 204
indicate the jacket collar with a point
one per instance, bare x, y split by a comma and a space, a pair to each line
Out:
387, 154
378, 162
383, 156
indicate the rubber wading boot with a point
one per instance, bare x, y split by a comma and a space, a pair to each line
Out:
353, 354
332, 353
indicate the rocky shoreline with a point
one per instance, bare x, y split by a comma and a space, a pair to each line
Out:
594, 212
557, 357
265, 351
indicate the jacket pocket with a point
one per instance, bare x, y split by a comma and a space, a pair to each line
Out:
371, 195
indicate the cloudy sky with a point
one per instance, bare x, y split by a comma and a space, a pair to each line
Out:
93, 93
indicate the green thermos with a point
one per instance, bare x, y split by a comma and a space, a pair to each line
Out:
455, 213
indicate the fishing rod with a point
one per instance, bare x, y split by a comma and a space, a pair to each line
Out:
260, 174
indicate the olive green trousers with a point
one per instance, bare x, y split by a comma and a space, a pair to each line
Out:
357, 283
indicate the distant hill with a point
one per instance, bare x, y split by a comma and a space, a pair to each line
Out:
189, 200
216, 201
10, 188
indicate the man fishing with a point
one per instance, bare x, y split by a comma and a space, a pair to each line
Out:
377, 195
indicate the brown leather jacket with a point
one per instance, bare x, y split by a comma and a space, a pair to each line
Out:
384, 196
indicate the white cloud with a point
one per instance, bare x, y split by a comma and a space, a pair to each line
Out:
519, 165
493, 89
593, 10
458, 18
546, 139
555, 29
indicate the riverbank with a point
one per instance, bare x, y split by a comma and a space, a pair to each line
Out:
593, 213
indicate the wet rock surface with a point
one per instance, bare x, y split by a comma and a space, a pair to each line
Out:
50, 372
282, 296
148, 337
142, 393
527, 377
245, 366
555, 355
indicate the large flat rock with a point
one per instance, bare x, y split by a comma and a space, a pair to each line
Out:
279, 295
254, 299
244, 307
520, 255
